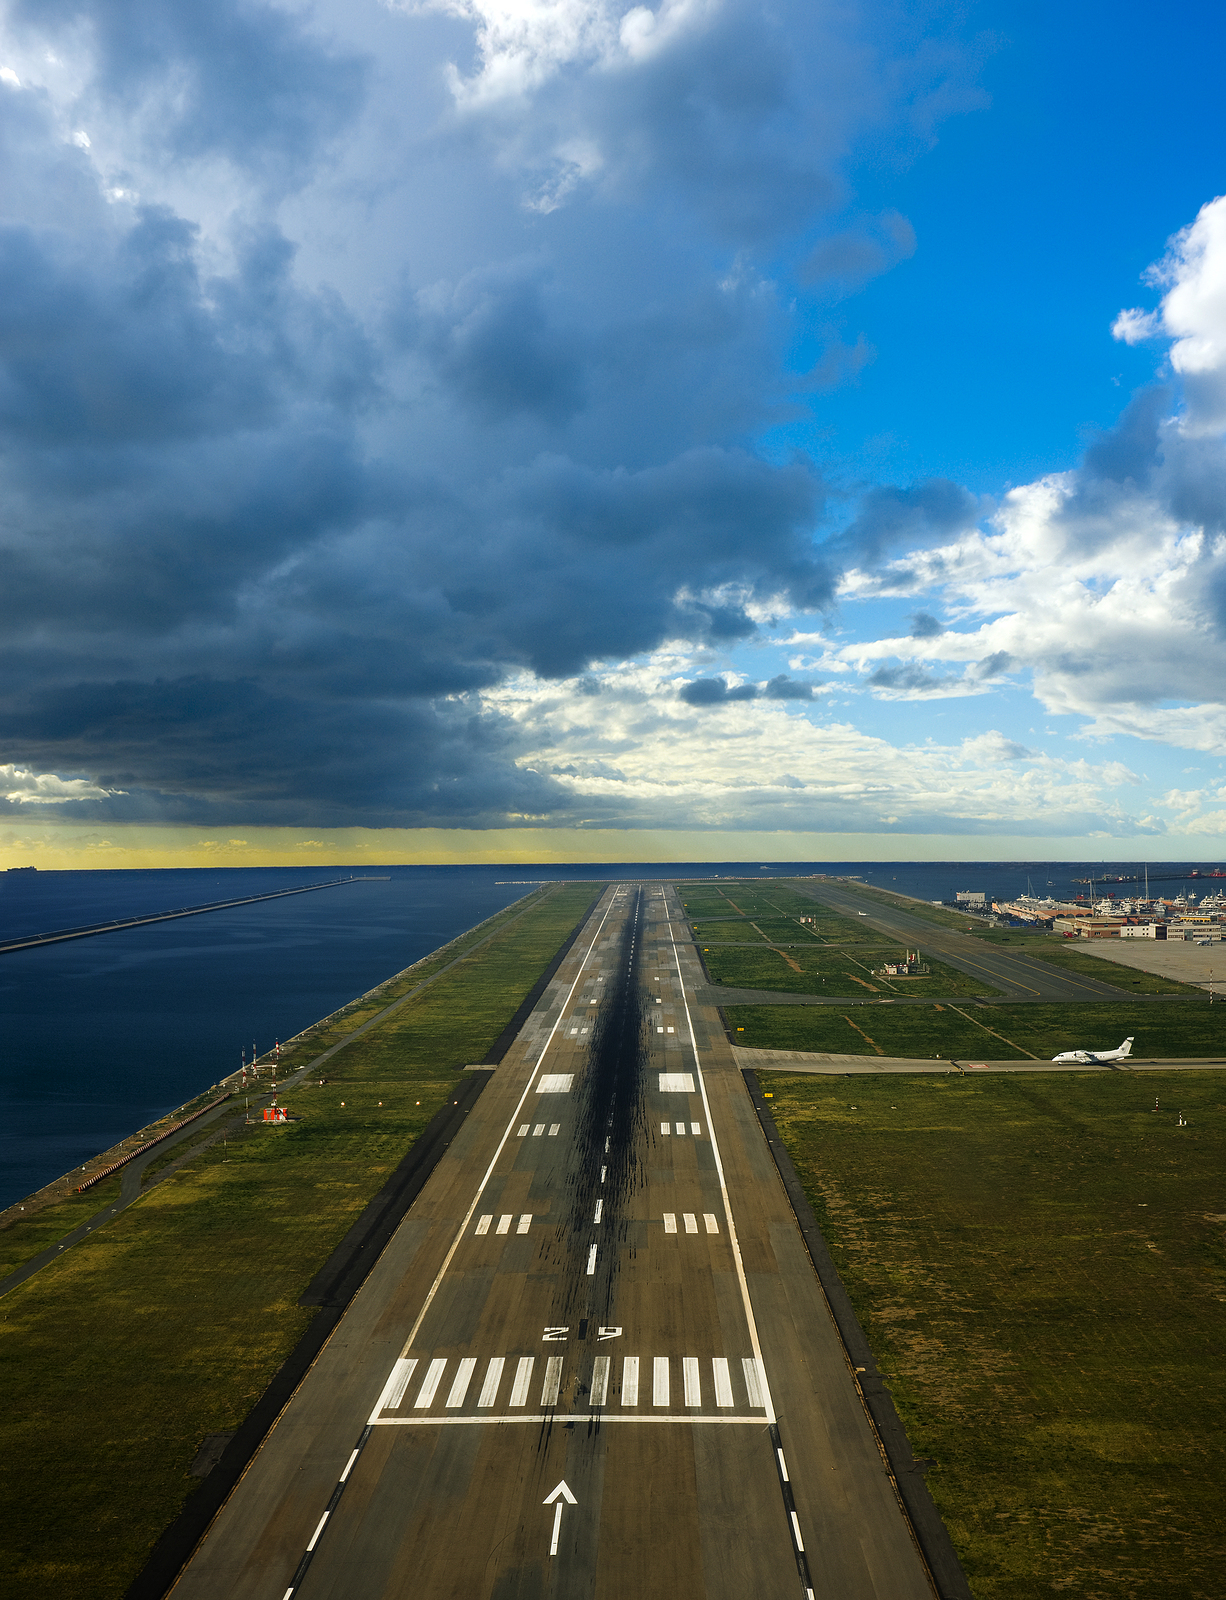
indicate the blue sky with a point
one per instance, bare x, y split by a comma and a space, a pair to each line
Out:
554, 415
1098, 138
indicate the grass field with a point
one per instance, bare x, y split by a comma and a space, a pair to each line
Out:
1040, 1265
168, 1323
777, 899
1173, 1027
831, 970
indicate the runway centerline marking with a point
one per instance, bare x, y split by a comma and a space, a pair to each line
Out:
502, 1143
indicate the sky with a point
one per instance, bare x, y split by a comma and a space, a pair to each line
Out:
569, 429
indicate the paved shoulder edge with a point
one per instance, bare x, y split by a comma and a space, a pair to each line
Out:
334, 1287
930, 1531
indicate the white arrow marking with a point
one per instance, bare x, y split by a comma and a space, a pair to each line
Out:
560, 1494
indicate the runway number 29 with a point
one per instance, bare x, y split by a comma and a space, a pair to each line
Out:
558, 1335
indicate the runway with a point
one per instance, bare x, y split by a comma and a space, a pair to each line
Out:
595, 1359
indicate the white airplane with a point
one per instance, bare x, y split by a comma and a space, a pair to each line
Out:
1091, 1057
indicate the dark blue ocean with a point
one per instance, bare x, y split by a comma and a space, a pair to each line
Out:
103, 1035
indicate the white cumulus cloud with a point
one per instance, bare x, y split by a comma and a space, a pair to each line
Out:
1193, 314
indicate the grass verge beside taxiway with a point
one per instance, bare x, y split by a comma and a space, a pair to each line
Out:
962, 1032
1040, 1266
167, 1324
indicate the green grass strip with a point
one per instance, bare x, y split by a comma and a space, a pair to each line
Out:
1161, 1028
1040, 1266
826, 970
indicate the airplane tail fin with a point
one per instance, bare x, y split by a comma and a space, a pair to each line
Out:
1126, 1047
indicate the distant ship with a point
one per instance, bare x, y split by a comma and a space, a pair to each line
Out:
21, 869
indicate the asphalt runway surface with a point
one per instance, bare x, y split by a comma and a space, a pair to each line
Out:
595, 1359
1017, 976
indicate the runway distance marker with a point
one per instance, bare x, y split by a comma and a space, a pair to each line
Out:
678, 1083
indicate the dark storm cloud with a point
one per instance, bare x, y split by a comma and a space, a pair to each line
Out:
1132, 449
924, 626
264, 540
908, 677
212, 77
492, 343
723, 127
116, 341
234, 748
1148, 459
889, 516
715, 692
785, 688
992, 666
556, 565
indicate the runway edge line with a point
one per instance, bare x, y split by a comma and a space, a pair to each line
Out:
332, 1289
931, 1534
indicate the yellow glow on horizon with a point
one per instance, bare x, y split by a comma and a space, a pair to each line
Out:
72, 846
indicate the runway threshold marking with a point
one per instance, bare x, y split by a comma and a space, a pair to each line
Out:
691, 1375
597, 1414
523, 1374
